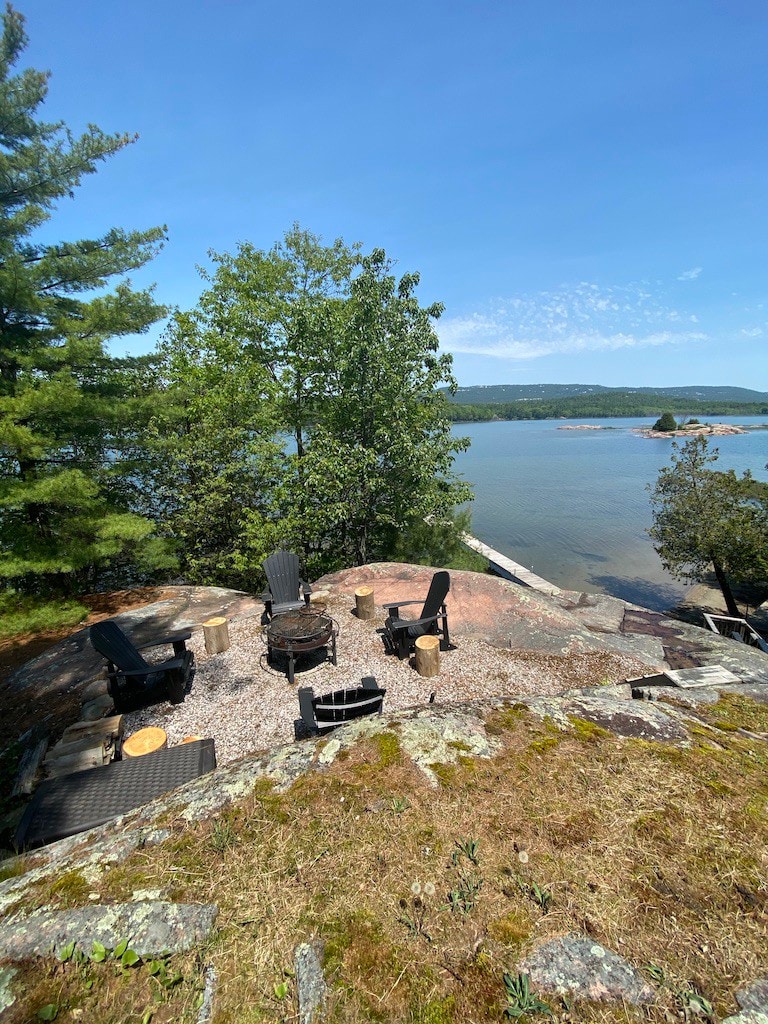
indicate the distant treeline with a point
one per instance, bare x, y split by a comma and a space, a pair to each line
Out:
597, 405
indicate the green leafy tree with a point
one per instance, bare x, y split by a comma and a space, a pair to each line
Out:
706, 520
284, 306
333, 439
215, 454
65, 405
665, 422
382, 432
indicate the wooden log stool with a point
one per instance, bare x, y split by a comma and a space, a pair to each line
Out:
428, 655
216, 633
364, 603
145, 741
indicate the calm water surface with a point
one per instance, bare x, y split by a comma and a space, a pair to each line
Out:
572, 505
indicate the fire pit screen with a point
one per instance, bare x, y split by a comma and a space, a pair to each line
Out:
298, 632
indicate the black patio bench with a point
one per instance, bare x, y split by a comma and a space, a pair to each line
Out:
65, 806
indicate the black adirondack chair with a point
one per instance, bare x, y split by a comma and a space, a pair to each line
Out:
402, 634
130, 677
321, 714
287, 591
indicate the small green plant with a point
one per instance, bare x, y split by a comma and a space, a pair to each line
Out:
464, 895
99, 953
48, 1012
533, 891
124, 959
520, 999
400, 804
694, 1004
69, 952
463, 898
281, 989
542, 897
691, 1002
465, 848
223, 836
656, 973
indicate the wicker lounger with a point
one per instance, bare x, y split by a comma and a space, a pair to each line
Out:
63, 807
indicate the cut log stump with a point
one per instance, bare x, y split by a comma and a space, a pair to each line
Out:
428, 655
364, 603
216, 633
145, 741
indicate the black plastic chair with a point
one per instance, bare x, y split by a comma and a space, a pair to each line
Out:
287, 590
130, 677
402, 634
321, 714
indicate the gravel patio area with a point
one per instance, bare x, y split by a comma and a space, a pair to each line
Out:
247, 705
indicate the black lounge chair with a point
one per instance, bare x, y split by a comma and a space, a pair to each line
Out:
287, 591
130, 677
321, 714
63, 807
402, 634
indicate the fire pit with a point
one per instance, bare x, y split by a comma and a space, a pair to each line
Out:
297, 632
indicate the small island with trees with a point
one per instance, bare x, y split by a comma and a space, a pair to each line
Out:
667, 426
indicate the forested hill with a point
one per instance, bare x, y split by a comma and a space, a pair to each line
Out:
482, 394
576, 401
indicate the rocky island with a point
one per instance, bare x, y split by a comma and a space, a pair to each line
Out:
696, 430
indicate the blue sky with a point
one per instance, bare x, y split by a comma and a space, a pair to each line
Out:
583, 185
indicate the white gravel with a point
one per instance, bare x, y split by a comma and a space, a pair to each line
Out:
247, 705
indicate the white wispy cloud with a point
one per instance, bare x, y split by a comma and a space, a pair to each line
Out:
690, 275
582, 318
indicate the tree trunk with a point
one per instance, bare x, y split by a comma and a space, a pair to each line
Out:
725, 587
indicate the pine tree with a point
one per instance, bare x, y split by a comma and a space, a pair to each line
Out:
65, 404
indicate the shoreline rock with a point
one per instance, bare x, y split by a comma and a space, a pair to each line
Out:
585, 426
706, 429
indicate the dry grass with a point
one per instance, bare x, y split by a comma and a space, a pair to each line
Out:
656, 852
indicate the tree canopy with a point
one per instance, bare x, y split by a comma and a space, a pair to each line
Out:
313, 374
706, 520
665, 422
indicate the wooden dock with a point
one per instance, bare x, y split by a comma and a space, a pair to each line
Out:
509, 570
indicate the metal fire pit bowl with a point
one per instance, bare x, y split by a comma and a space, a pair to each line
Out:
296, 632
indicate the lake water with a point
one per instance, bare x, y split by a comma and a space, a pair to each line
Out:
572, 505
